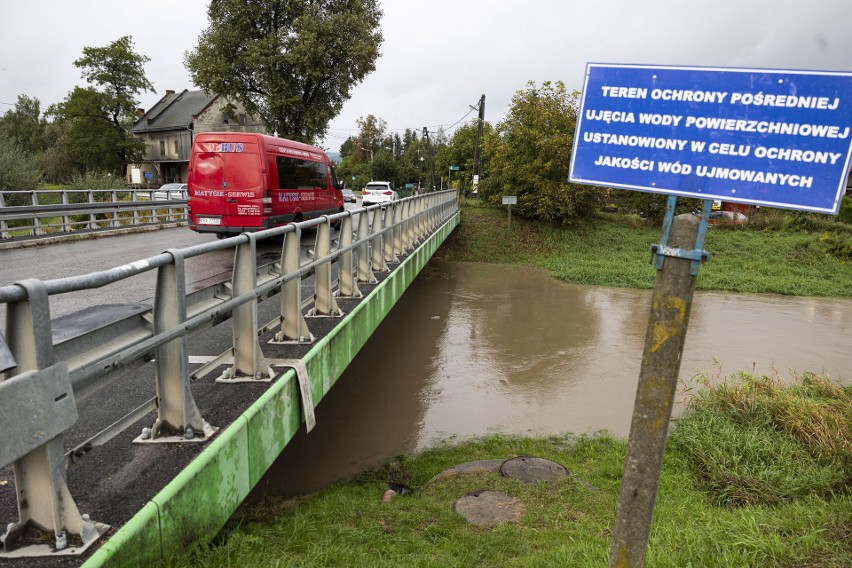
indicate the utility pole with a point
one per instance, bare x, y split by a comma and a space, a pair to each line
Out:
477, 154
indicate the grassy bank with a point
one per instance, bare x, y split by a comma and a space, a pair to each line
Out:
805, 259
757, 474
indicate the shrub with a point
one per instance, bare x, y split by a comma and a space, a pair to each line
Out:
17, 171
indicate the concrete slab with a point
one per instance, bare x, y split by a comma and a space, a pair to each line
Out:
489, 507
531, 469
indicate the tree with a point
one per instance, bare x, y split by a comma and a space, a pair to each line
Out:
17, 171
371, 136
384, 167
530, 155
460, 150
98, 121
24, 125
290, 62
56, 160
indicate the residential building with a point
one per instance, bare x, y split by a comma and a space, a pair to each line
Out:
170, 126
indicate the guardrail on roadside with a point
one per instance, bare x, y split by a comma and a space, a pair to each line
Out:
42, 212
40, 396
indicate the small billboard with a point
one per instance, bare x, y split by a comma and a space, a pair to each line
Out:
756, 136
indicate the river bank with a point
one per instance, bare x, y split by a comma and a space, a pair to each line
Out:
746, 482
806, 256
756, 474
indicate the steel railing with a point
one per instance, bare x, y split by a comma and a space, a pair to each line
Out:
42, 212
44, 382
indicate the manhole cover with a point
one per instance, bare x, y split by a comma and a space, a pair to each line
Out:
531, 469
489, 507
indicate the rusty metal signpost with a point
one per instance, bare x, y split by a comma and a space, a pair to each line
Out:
760, 137
510, 200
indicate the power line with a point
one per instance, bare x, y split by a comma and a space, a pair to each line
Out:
338, 132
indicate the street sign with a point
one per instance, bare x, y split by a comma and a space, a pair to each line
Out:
510, 200
756, 136
455, 168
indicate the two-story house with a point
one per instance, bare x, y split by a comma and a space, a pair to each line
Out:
170, 126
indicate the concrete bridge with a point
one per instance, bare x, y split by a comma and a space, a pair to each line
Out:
125, 440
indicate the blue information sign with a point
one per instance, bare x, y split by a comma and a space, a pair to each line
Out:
756, 136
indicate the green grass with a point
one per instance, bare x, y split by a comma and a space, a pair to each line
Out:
745, 483
613, 250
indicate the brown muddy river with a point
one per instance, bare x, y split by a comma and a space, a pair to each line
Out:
473, 349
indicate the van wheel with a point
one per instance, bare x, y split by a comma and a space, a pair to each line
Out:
337, 222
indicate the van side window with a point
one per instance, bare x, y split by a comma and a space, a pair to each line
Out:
334, 183
300, 174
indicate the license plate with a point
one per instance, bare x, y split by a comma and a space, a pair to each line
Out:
209, 221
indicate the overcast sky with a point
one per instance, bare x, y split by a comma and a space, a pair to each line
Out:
439, 56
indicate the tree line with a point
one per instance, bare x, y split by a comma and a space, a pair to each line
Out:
293, 64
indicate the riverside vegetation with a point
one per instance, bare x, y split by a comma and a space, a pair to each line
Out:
758, 471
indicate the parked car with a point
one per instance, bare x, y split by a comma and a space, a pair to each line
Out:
170, 191
378, 192
348, 196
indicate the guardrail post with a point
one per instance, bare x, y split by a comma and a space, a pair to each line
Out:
93, 217
40, 480
436, 206
403, 227
392, 235
249, 362
409, 239
294, 328
134, 197
377, 243
177, 414
4, 225
398, 246
36, 221
348, 283
113, 195
324, 302
365, 273
66, 219
422, 226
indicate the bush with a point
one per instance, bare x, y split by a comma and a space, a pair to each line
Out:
17, 171
100, 182
96, 180
845, 213
528, 157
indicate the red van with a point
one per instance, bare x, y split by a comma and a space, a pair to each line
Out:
250, 182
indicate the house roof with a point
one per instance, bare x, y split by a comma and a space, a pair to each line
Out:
175, 111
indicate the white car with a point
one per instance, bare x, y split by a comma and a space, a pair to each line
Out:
378, 192
170, 191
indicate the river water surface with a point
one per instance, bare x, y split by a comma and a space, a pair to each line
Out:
472, 349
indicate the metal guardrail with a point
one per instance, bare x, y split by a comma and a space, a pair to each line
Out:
51, 211
45, 382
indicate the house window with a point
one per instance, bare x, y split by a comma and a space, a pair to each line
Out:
225, 119
242, 119
162, 148
176, 147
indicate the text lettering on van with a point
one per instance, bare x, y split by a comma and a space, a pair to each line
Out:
231, 147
